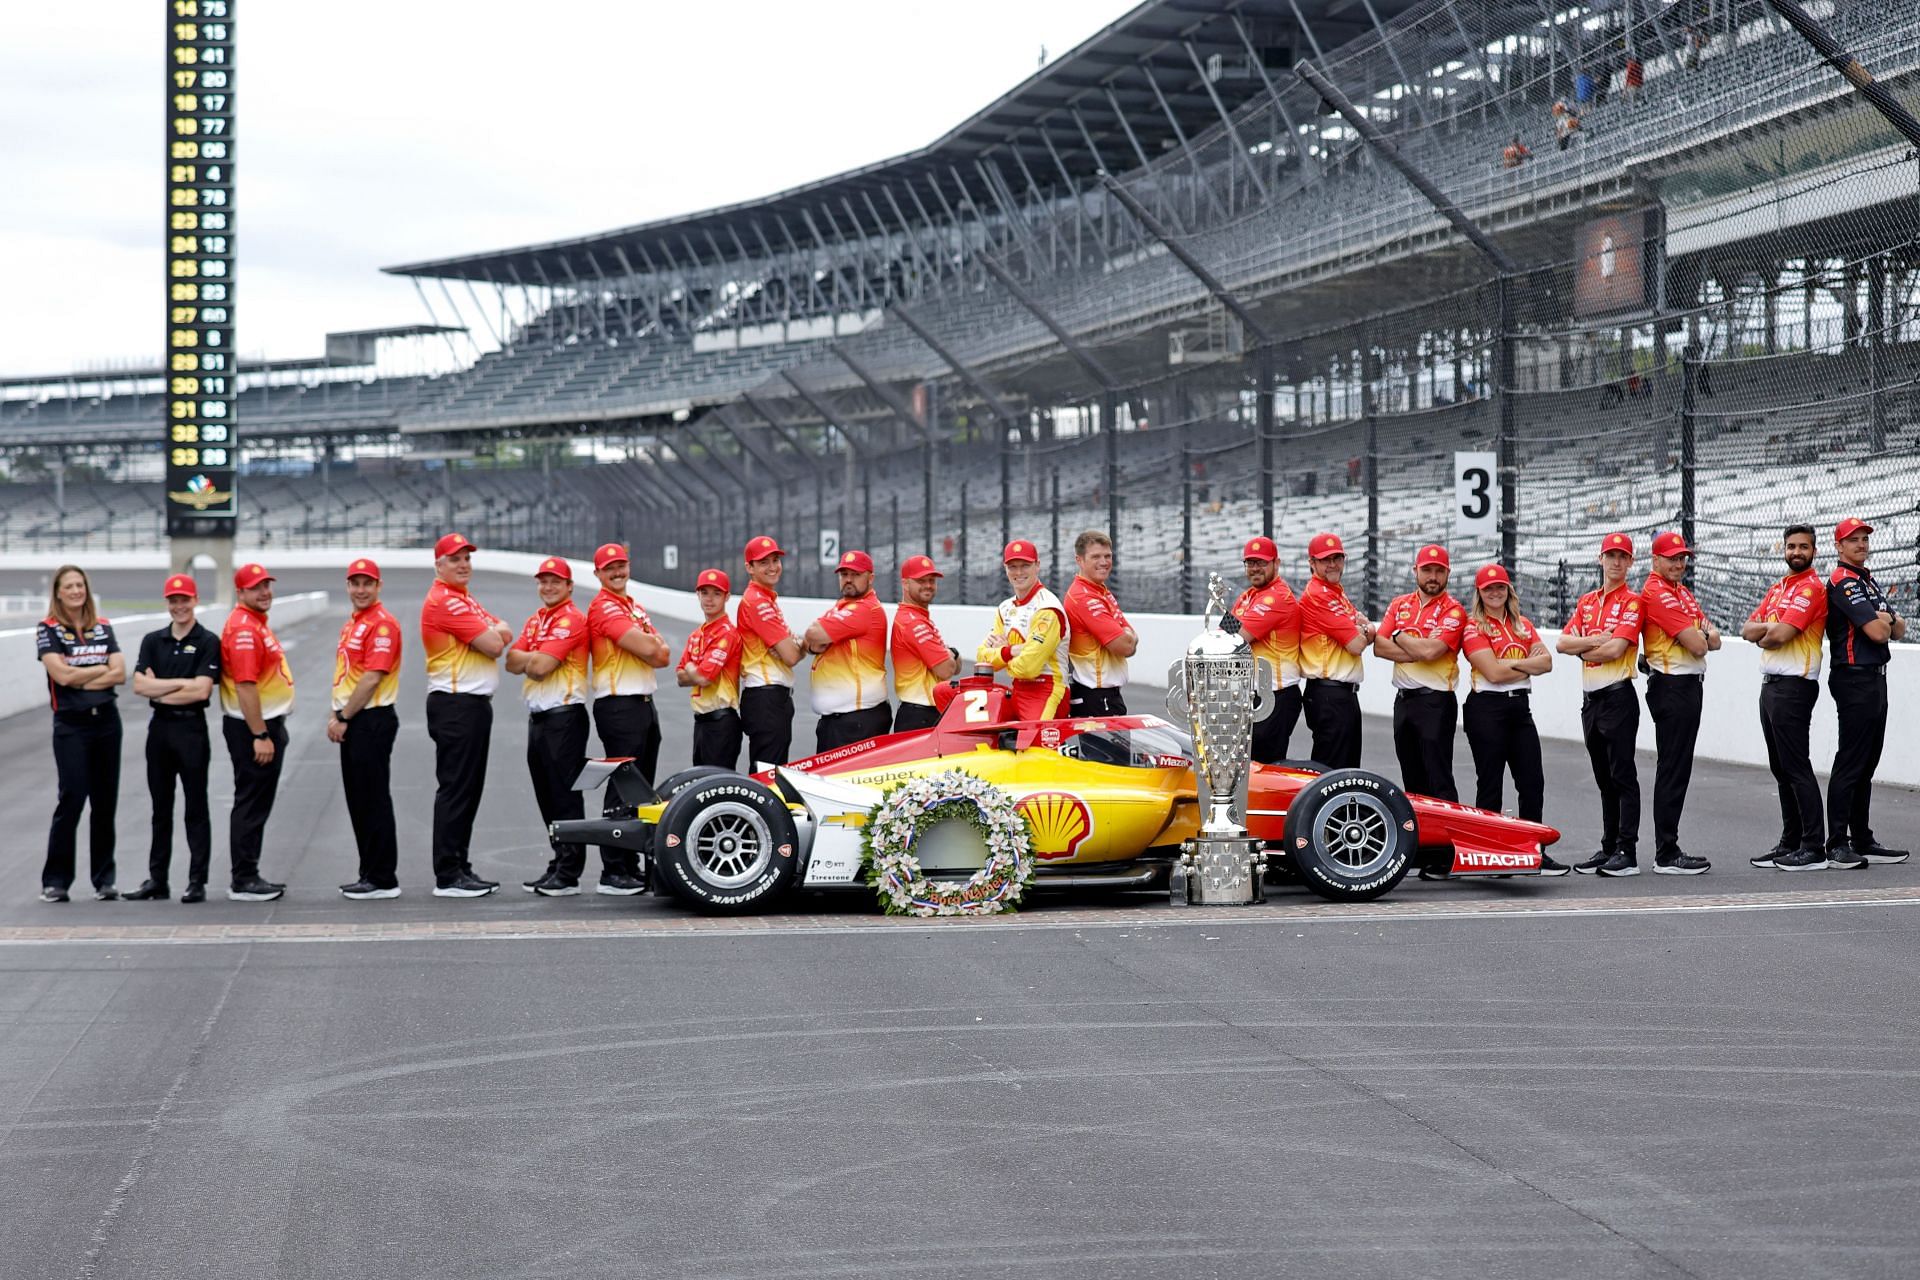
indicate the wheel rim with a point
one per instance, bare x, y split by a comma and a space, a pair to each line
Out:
1356, 833
729, 844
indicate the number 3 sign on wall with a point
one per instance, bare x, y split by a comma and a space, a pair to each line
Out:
1476, 495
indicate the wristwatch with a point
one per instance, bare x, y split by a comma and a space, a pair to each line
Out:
341, 716
262, 736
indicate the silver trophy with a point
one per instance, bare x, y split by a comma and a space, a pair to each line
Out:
1221, 689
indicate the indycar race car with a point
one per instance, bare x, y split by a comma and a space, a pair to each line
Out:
1108, 800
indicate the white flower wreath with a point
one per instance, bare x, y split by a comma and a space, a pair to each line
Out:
893, 867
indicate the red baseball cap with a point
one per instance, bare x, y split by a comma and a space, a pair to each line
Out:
1489, 575
1019, 549
1324, 545
180, 584
452, 544
714, 578
607, 554
364, 568
1850, 526
920, 567
1433, 553
556, 566
251, 575
760, 548
1260, 548
1616, 542
854, 562
1670, 544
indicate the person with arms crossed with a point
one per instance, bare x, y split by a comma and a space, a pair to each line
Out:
1333, 635
921, 658
256, 694
1504, 652
849, 647
1101, 639
768, 652
84, 667
1861, 622
1421, 635
364, 724
176, 671
463, 643
627, 653
1675, 638
1270, 620
551, 653
1603, 633
1788, 625
1029, 638
710, 667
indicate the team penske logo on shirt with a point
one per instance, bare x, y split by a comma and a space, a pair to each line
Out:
1094, 621
761, 626
369, 641
1328, 623
714, 651
561, 633
1667, 610
617, 673
251, 654
1270, 620
851, 675
1607, 613
1507, 641
1800, 601
917, 649
1440, 618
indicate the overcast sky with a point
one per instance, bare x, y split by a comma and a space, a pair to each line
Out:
370, 135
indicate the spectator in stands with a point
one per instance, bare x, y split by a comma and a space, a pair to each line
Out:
1676, 636
710, 667
1515, 154
1789, 625
1566, 123
256, 694
1029, 638
366, 685
551, 654
1603, 634
768, 650
463, 643
1421, 634
626, 652
84, 667
1101, 640
1693, 46
1632, 77
1504, 652
1861, 622
176, 671
1333, 635
848, 642
1583, 87
921, 658
1270, 620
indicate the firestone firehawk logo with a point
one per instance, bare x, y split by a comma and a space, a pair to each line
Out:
1060, 822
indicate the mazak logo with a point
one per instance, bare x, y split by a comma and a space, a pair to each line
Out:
1480, 860
1060, 823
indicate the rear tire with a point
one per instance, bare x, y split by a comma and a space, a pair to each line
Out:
725, 845
1351, 835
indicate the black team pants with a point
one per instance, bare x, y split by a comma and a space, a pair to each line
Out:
1333, 716
254, 787
86, 756
556, 752
461, 726
842, 728
366, 775
1273, 734
178, 749
766, 715
628, 728
716, 738
1860, 696
1786, 719
1502, 736
1087, 700
1423, 724
909, 716
1609, 722
1674, 702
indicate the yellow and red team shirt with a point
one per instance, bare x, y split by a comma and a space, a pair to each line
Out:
1799, 601
1666, 610
714, 651
560, 631
761, 626
851, 675
1039, 670
917, 650
1270, 620
1328, 623
370, 641
1607, 613
250, 654
617, 673
449, 621
1094, 621
1506, 640
1440, 618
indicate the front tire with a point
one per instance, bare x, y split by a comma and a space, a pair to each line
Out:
725, 845
1351, 835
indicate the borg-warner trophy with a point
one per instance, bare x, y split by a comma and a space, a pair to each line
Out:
1221, 688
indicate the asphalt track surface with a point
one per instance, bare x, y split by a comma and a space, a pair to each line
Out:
1648, 1077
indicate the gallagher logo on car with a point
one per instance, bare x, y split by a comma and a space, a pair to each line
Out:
1060, 823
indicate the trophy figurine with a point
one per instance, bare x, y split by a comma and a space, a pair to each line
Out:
1221, 688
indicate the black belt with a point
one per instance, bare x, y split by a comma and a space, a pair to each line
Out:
1322, 680
1776, 679
549, 711
198, 711
1500, 693
708, 717
80, 715
1861, 668
616, 697
1421, 693
1677, 675
448, 693
1625, 686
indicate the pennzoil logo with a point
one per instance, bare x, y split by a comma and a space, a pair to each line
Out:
200, 494
1060, 823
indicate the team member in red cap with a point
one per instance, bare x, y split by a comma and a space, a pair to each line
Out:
1029, 638
256, 693
1421, 635
849, 647
710, 666
1861, 621
1101, 640
1603, 633
85, 668
366, 684
627, 651
1675, 638
551, 653
768, 650
1333, 635
176, 671
463, 644
1504, 652
921, 658
1788, 625
1270, 620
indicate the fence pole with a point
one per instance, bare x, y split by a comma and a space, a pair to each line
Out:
1110, 418
1263, 430
1367, 409
1053, 541
866, 509
1689, 364
1560, 592
963, 541
1186, 529
1509, 446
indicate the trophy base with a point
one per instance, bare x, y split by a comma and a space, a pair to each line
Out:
1219, 871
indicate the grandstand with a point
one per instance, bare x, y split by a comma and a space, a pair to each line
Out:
1716, 323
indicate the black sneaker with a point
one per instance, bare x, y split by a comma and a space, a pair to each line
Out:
194, 893
150, 892
555, 885
1766, 860
621, 886
52, 893
254, 889
1680, 864
467, 886
1843, 857
361, 890
533, 885
1877, 852
1802, 860
1620, 864
106, 893
1549, 867
1594, 863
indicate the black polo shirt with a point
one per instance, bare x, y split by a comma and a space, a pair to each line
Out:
195, 654
91, 649
1853, 598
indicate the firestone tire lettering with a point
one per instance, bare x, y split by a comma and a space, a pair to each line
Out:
683, 879
1316, 866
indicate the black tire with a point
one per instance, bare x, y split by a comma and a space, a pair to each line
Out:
674, 785
1351, 835
725, 845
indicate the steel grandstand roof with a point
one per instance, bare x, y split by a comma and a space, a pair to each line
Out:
1112, 85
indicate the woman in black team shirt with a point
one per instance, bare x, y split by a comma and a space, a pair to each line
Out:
84, 672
